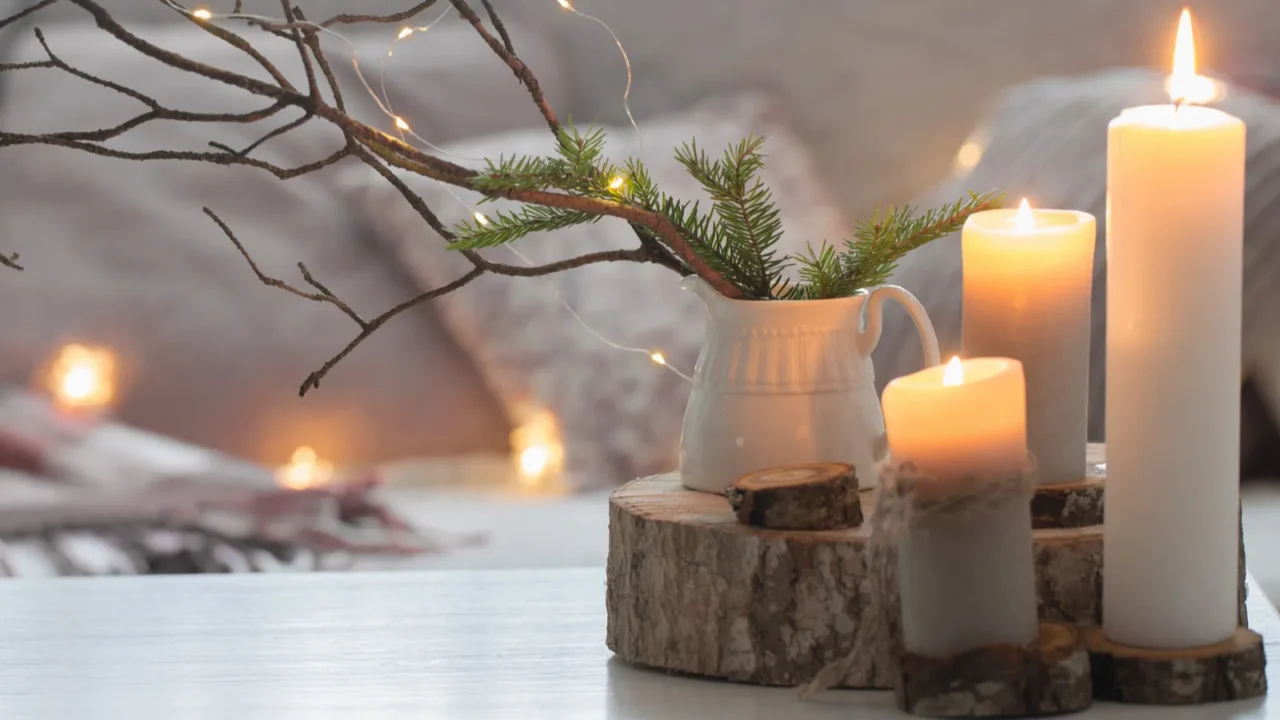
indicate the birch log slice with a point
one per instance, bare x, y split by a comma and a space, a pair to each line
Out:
1231, 670
815, 496
691, 589
1074, 504
1050, 676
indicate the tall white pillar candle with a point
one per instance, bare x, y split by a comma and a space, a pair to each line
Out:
1175, 180
1028, 282
964, 582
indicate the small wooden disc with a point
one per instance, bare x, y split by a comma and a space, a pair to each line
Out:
1073, 504
816, 496
1233, 669
1049, 676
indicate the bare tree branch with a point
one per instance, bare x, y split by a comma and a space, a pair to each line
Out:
349, 19
313, 43
10, 261
661, 241
312, 86
497, 25
367, 329
299, 122
323, 296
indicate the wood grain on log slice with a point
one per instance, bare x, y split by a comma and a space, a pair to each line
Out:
691, 589
1074, 504
815, 496
1230, 670
1049, 676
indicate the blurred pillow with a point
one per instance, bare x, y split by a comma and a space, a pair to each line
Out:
619, 414
1047, 141
119, 253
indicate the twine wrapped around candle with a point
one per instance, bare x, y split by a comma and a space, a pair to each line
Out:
906, 500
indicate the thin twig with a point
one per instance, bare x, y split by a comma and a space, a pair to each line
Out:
10, 261
299, 122
497, 25
312, 86
324, 296
6, 22
313, 380
313, 43
348, 19
522, 71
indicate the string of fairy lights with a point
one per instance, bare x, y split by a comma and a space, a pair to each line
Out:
382, 99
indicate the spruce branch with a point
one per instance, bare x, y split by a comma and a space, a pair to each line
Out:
873, 254
503, 228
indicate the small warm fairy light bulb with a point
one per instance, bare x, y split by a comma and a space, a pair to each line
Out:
658, 358
617, 182
304, 470
404, 33
1024, 220
400, 123
565, 4
1184, 84
953, 374
202, 14
967, 157
537, 449
480, 218
82, 378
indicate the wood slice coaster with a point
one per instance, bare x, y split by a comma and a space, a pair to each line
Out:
1074, 504
816, 496
1230, 670
1049, 676
691, 589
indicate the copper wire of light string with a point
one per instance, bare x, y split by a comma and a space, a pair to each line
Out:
626, 61
655, 356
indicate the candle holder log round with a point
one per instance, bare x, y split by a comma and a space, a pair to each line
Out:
1048, 676
691, 589
1074, 504
1233, 669
813, 496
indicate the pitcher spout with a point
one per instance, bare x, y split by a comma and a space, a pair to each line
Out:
699, 287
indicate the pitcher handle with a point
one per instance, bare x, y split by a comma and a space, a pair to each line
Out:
873, 325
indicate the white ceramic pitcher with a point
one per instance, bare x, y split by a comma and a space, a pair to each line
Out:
780, 382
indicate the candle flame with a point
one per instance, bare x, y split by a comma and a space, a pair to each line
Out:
305, 470
953, 374
1184, 85
1024, 220
82, 377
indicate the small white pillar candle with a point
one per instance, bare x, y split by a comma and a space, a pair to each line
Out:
1175, 182
965, 582
1028, 282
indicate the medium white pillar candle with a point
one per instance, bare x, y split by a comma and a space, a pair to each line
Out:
1175, 180
1028, 282
965, 582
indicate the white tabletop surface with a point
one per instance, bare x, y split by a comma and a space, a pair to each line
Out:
510, 644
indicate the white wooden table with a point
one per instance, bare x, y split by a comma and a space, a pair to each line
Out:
515, 645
